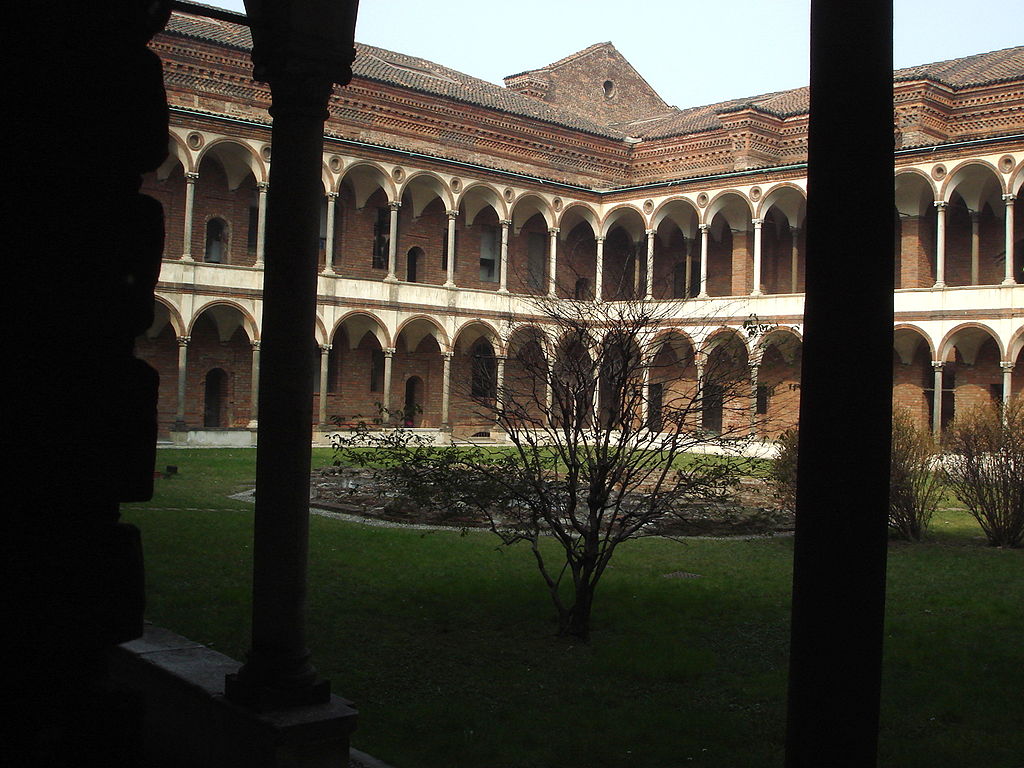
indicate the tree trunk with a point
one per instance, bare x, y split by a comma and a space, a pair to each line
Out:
575, 621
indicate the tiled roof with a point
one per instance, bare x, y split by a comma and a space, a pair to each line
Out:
391, 68
383, 66
564, 60
980, 69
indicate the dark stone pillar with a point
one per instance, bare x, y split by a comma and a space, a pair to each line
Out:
842, 500
79, 415
278, 667
301, 48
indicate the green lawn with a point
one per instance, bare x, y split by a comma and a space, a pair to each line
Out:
446, 643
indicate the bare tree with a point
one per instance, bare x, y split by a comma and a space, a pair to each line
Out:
617, 427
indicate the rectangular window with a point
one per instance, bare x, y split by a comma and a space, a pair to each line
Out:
764, 393
489, 254
377, 370
254, 220
381, 238
536, 261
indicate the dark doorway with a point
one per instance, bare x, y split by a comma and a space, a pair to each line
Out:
711, 407
413, 397
215, 399
412, 261
656, 395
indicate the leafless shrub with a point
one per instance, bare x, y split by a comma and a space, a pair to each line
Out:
984, 464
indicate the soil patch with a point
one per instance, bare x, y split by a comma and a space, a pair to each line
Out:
354, 491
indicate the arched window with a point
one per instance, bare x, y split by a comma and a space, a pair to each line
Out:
216, 241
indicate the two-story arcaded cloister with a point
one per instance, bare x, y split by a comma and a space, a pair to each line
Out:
450, 205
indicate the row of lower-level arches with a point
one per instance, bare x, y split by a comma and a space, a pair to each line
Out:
208, 370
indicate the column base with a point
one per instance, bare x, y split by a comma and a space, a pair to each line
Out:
450, 286
939, 284
187, 257
253, 424
503, 291
1009, 281
390, 279
328, 271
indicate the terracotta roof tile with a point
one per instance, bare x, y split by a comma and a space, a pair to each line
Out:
392, 68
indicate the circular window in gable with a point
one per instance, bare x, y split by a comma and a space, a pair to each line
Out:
609, 89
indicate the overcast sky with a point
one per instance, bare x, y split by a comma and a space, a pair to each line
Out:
692, 53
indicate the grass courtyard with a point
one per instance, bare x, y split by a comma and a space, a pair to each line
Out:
446, 643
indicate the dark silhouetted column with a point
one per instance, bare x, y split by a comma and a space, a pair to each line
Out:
842, 500
301, 48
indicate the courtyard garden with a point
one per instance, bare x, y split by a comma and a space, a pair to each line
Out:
447, 645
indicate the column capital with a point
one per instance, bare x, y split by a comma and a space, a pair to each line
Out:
1007, 366
262, 186
940, 205
184, 340
255, 345
703, 227
650, 232
757, 223
394, 205
190, 177
1008, 199
325, 348
599, 239
937, 364
448, 356
452, 215
506, 223
332, 197
553, 230
389, 351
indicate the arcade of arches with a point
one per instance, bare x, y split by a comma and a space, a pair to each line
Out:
433, 258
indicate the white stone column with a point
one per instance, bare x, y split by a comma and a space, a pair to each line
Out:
254, 408
332, 199
755, 368
940, 245
385, 401
190, 198
687, 269
757, 256
704, 260
645, 394
449, 281
179, 412
325, 358
937, 397
794, 261
261, 221
599, 269
552, 260
975, 247
1007, 382
1008, 274
393, 242
499, 385
446, 382
503, 277
649, 292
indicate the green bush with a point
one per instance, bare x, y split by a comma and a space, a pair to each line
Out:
782, 472
915, 486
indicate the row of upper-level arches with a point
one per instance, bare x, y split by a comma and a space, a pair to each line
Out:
977, 181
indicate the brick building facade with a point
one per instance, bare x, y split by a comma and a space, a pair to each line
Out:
450, 201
